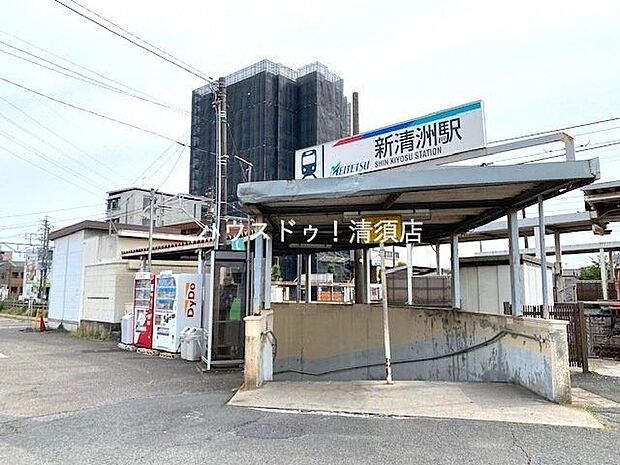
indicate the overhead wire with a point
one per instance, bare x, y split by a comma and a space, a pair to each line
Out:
37, 153
51, 131
84, 78
566, 128
45, 212
94, 113
159, 157
100, 115
176, 162
47, 171
81, 175
154, 50
96, 73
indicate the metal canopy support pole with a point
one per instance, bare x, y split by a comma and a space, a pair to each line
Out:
543, 257
601, 261
558, 252
409, 274
258, 286
438, 258
515, 263
367, 270
267, 275
537, 240
200, 262
559, 280
611, 266
308, 281
386, 320
299, 273
359, 255
456, 272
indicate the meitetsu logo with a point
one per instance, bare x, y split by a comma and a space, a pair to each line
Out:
340, 170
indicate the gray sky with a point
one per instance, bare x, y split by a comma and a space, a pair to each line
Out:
537, 66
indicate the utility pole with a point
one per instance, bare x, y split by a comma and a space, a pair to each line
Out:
44, 259
151, 220
222, 160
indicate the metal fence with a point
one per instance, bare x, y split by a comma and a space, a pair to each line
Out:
603, 328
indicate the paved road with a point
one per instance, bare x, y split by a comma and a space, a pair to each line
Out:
69, 401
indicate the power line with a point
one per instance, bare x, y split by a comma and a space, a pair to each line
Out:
591, 123
84, 78
159, 157
43, 141
48, 211
131, 34
172, 169
33, 119
174, 61
100, 115
44, 157
46, 170
82, 67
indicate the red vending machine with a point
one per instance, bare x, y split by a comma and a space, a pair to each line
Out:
143, 293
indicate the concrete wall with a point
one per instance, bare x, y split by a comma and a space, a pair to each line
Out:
109, 286
318, 338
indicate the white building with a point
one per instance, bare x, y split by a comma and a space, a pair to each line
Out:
131, 206
90, 281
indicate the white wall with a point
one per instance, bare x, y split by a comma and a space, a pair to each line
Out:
532, 285
67, 275
485, 288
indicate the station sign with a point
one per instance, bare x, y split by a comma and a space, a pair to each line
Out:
436, 135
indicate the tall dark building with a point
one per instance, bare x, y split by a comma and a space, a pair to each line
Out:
272, 111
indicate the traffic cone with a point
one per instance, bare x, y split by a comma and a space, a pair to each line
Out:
42, 326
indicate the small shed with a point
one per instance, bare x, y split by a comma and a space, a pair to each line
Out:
485, 283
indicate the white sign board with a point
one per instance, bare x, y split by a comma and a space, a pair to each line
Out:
436, 135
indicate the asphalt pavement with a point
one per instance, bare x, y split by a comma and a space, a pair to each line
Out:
65, 400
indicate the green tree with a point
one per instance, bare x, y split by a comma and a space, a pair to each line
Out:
590, 272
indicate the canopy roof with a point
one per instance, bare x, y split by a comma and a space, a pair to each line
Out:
564, 223
448, 199
603, 200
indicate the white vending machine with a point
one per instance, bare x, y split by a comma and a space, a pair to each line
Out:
178, 300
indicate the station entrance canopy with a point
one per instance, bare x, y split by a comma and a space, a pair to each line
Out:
446, 200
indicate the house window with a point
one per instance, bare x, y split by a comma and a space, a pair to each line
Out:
14, 290
113, 204
15, 274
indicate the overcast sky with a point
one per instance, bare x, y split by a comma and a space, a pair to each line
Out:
536, 65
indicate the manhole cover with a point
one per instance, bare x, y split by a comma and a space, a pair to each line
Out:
267, 431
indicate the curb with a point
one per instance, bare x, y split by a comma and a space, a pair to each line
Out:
17, 317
